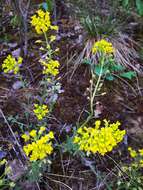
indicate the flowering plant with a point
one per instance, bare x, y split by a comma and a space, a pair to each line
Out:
99, 139
40, 145
10, 64
5, 182
50, 65
103, 46
130, 175
42, 22
137, 156
40, 111
103, 67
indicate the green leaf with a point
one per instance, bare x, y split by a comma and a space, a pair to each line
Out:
139, 5
110, 77
69, 146
47, 6
33, 175
125, 3
98, 70
128, 75
117, 68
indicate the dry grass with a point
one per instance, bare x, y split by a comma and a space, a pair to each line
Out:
126, 52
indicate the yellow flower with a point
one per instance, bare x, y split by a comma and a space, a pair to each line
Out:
137, 155
33, 133
41, 148
54, 28
141, 152
40, 111
52, 38
48, 148
51, 135
141, 163
10, 64
12, 184
134, 165
50, 67
27, 149
76, 139
25, 137
41, 13
48, 47
42, 129
99, 139
97, 124
103, 46
3, 161
41, 21
132, 152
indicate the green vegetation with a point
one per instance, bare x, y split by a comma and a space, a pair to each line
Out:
71, 95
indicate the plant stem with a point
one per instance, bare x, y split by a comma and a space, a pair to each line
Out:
46, 38
47, 44
97, 85
94, 91
87, 120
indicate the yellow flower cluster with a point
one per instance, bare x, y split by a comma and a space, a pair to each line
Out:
50, 67
2, 162
41, 22
137, 155
42, 129
10, 64
132, 152
26, 137
4, 181
52, 38
40, 111
40, 146
103, 46
99, 139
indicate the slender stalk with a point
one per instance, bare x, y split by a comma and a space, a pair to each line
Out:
47, 44
93, 91
87, 120
46, 38
97, 85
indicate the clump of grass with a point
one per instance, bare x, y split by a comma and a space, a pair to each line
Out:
126, 48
